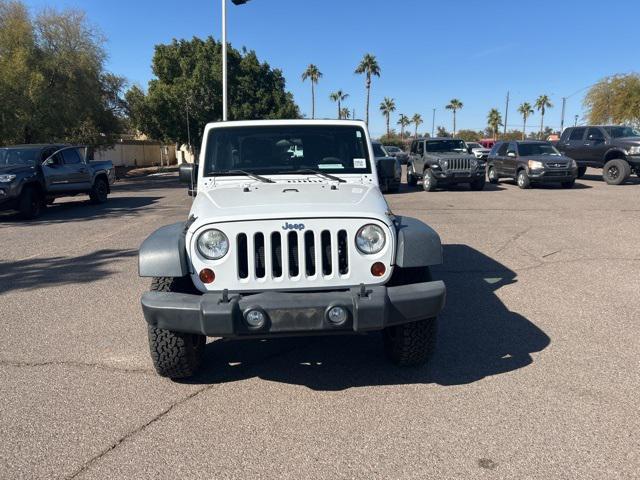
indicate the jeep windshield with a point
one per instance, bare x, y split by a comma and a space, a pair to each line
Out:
19, 156
533, 149
286, 150
622, 132
443, 146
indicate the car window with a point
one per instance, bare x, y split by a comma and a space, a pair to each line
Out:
71, 156
577, 134
502, 149
539, 149
420, 148
565, 135
620, 132
595, 134
413, 146
379, 151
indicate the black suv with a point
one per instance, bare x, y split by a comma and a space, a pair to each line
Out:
439, 162
615, 149
529, 162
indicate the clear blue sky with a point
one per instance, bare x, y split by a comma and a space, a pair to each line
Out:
429, 52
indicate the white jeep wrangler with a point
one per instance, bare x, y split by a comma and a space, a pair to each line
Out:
288, 234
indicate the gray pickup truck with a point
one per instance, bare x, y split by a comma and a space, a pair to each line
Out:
33, 176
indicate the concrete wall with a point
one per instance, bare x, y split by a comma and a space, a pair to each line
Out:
138, 154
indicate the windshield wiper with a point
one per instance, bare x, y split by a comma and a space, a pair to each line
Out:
319, 173
248, 174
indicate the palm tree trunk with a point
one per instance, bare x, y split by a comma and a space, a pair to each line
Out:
416, 130
388, 117
313, 101
339, 111
524, 129
542, 125
368, 92
454, 123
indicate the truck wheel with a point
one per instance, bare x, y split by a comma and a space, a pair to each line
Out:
581, 171
412, 180
616, 171
429, 184
523, 180
30, 203
99, 191
478, 184
412, 343
493, 176
174, 354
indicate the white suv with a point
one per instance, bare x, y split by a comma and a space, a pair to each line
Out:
288, 234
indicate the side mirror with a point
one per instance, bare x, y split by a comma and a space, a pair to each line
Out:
188, 174
49, 162
511, 154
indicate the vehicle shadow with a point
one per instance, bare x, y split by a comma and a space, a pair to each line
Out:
404, 188
38, 273
478, 337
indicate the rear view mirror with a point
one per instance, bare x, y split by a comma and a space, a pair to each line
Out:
188, 174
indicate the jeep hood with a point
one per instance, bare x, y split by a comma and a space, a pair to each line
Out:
289, 200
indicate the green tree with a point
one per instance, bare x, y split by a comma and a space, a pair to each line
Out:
614, 99
369, 67
417, 121
542, 103
53, 82
442, 132
469, 135
404, 122
525, 110
494, 121
345, 113
454, 105
339, 97
387, 107
188, 72
313, 74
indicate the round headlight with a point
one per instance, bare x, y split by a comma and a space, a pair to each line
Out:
213, 244
370, 239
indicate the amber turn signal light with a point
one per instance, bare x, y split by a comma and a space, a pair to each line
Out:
378, 269
207, 275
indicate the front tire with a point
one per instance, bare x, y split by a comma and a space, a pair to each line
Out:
493, 176
429, 183
99, 191
616, 171
581, 171
412, 180
411, 344
478, 185
174, 354
522, 179
30, 203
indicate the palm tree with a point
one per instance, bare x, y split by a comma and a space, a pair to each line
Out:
454, 106
369, 66
542, 103
525, 110
494, 120
313, 74
416, 120
339, 97
387, 107
404, 122
345, 113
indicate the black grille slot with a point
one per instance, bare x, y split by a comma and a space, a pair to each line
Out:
276, 254
325, 245
294, 263
310, 253
258, 250
243, 257
343, 260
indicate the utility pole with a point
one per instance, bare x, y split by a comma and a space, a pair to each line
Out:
188, 127
433, 123
564, 104
506, 114
575, 124
224, 60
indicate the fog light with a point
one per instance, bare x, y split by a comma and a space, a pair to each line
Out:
207, 275
378, 269
337, 315
255, 318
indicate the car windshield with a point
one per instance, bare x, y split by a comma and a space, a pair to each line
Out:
18, 156
445, 146
531, 149
473, 145
392, 149
379, 151
286, 149
621, 132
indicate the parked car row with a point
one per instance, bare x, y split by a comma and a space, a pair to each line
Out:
33, 176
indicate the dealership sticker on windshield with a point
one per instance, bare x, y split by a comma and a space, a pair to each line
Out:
359, 163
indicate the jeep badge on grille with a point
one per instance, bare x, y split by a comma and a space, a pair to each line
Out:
293, 226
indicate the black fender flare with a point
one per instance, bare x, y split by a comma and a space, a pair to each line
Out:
419, 245
618, 153
164, 253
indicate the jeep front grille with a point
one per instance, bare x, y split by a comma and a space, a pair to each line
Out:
292, 254
459, 164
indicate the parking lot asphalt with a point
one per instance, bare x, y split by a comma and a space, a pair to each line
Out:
536, 374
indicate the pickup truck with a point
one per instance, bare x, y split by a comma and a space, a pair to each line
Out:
33, 176
279, 244
614, 148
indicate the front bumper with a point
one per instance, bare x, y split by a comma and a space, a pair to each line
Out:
299, 313
553, 176
447, 176
8, 197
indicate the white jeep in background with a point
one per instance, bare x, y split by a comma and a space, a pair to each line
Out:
288, 234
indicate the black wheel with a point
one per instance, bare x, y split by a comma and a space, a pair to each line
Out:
523, 180
412, 343
478, 184
581, 171
174, 354
49, 201
429, 183
568, 184
492, 174
412, 180
616, 171
30, 203
99, 191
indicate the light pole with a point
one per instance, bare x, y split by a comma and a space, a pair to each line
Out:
224, 55
433, 123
